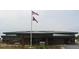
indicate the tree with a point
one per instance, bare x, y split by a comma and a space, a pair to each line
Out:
77, 37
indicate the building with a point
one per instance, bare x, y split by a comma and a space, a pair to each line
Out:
49, 37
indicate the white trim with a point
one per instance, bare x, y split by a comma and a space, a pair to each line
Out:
63, 35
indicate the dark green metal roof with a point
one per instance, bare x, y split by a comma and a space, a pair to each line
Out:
27, 32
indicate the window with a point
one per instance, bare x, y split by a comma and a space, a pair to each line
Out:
10, 34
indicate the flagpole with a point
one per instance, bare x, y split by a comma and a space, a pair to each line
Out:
32, 18
31, 32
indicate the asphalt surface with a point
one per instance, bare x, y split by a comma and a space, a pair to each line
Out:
76, 46
71, 46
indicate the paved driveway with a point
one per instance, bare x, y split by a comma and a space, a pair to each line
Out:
75, 46
71, 46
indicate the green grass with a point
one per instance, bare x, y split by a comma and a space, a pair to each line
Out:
11, 46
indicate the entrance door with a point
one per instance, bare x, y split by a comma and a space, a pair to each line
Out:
35, 41
66, 41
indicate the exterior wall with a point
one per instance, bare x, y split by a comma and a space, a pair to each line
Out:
37, 38
61, 39
53, 41
10, 39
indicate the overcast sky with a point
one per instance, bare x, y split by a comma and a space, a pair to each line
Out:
54, 20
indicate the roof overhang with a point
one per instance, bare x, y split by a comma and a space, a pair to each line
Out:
40, 32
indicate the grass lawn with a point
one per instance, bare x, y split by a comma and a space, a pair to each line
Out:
11, 46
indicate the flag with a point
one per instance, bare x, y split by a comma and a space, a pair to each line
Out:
34, 13
35, 19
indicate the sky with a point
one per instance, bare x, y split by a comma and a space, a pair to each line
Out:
50, 20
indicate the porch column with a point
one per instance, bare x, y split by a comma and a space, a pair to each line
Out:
46, 41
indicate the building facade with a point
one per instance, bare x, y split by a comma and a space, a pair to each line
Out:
49, 37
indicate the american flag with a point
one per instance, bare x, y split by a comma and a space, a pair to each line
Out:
34, 13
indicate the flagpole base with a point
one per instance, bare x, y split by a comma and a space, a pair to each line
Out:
30, 47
